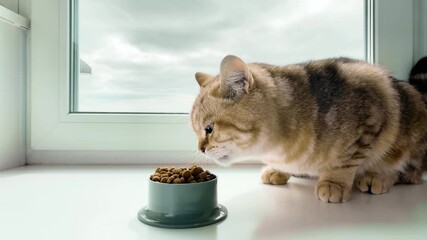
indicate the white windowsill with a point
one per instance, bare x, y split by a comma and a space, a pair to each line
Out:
101, 202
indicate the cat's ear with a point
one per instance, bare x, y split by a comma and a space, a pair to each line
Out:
202, 78
236, 80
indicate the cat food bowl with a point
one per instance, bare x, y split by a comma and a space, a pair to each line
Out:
182, 205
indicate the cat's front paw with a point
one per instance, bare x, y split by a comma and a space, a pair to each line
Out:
332, 192
272, 176
374, 183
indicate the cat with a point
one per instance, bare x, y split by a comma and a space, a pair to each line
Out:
344, 121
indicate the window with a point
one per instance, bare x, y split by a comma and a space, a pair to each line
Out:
60, 134
141, 56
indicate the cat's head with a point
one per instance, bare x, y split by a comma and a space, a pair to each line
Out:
227, 113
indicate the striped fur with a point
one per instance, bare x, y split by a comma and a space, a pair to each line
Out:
344, 121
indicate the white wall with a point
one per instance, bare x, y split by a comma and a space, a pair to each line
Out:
12, 96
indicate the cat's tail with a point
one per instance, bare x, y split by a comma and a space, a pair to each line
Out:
418, 79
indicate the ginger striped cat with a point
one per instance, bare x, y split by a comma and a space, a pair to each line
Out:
344, 121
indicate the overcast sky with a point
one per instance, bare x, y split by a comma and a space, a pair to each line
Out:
144, 53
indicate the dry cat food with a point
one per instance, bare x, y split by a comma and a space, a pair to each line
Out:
193, 174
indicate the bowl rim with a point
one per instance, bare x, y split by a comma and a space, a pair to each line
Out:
185, 184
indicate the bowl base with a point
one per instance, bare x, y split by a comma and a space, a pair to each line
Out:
148, 217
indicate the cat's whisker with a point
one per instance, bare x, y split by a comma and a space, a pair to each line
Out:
185, 157
194, 157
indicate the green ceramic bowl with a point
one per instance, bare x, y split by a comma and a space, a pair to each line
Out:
184, 205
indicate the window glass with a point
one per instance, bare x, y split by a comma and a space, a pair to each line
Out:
141, 55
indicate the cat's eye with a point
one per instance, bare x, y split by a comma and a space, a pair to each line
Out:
209, 129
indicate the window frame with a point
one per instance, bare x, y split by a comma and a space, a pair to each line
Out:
54, 131
57, 136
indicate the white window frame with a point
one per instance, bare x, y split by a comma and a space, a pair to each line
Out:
392, 35
57, 136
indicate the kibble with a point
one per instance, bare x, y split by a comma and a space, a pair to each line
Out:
165, 175
186, 173
203, 176
193, 174
195, 171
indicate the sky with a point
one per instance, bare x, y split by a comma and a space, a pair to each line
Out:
144, 53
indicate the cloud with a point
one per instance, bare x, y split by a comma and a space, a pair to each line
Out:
141, 49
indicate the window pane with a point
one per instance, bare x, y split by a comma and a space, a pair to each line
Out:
141, 55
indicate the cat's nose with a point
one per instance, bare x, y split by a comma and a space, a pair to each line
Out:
202, 146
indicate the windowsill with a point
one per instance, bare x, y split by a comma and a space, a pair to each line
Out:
101, 202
